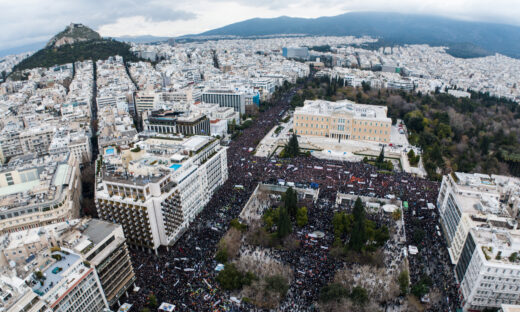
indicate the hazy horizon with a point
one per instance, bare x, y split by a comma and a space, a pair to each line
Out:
30, 21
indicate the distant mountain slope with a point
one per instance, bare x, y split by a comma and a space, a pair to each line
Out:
72, 34
141, 39
391, 27
21, 49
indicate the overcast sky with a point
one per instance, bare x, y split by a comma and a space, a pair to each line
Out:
28, 21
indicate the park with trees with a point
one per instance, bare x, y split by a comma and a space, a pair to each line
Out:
475, 134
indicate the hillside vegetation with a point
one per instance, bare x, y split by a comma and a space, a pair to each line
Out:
80, 51
477, 134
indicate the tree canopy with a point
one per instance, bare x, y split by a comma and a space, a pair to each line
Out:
292, 149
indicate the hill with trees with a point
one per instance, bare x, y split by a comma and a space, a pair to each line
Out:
86, 45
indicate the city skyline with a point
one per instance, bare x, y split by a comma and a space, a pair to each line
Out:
28, 22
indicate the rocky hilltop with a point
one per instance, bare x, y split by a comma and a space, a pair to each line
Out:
72, 34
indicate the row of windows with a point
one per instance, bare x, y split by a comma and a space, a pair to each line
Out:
341, 128
503, 271
342, 120
353, 137
500, 287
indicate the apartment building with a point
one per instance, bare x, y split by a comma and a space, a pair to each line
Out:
103, 245
61, 282
226, 98
157, 188
88, 244
146, 101
482, 236
38, 191
173, 122
16, 141
344, 120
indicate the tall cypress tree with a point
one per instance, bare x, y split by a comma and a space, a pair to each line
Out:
291, 201
381, 157
358, 237
292, 148
284, 223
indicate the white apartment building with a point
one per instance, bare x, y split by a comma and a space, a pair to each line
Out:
77, 143
15, 140
145, 101
216, 112
483, 238
157, 188
226, 98
110, 100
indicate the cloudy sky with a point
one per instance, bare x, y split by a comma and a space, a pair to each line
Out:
27, 21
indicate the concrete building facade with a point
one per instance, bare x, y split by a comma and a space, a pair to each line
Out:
343, 120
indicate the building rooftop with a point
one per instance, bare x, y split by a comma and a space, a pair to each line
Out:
56, 272
97, 230
36, 180
155, 159
359, 111
485, 194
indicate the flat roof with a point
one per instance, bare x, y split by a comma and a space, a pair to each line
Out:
52, 279
196, 142
18, 188
98, 230
61, 174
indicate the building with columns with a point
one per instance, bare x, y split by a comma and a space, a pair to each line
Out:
343, 120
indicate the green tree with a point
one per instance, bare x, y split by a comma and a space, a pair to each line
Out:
332, 292
404, 281
358, 236
222, 255
381, 235
237, 225
301, 217
292, 149
230, 278
290, 200
381, 157
152, 301
414, 120
419, 290
284, 224
366, 86
359, 295
277, 283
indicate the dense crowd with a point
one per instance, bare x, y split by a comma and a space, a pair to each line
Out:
185, 274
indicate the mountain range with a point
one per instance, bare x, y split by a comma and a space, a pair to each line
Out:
464, 38
391, 28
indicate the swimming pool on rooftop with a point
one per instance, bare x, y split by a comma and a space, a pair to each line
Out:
175, 166
109, 151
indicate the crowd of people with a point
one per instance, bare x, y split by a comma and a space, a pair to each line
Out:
184, 274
